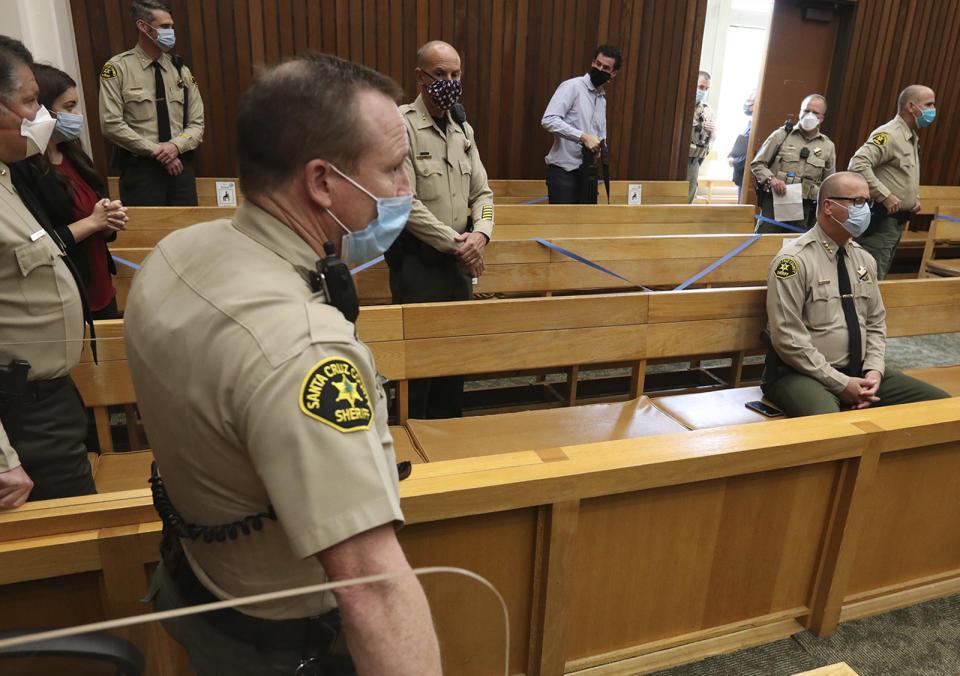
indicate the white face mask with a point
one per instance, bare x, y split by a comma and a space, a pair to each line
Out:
37, 131
809, 122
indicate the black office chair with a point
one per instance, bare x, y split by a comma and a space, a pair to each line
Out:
94, 646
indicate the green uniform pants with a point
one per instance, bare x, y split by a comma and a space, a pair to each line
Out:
144, 183
765, 199
47, 430
800, 395
881, 240
421, 274
693, 173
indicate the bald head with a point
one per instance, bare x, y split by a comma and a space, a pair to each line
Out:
913, 94
433, 51
837, 195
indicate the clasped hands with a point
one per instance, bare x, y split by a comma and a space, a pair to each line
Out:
862, 392
471, 250
168, 155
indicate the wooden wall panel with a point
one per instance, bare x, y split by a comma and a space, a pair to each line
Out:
896, 43
515, 53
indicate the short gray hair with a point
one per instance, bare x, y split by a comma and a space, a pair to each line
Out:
301, 110
10, 63
142, 10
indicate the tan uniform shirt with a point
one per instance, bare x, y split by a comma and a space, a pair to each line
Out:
819, 163
805, 315
128, 103
700, 139
255, 392
890, 161
41, 316
448, 180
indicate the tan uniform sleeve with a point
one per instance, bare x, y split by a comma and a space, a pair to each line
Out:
871, 155
764, 156
421, 223
112, 124
710, 116
831, 164
481, 196
326, 483
8, 456
785, 299
876, 327
192, 134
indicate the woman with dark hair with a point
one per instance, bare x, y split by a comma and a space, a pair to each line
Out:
74, 195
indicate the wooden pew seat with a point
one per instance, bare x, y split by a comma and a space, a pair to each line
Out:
944, 267
403, 445
122, 471
717, 408
539, 430
947, 378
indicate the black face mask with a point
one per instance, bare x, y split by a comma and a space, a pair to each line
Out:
599, 77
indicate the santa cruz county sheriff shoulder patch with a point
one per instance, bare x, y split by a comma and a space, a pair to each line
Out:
786, 268
108, 72
333, 393
879, 139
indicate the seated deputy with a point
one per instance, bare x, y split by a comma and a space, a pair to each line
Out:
826, 317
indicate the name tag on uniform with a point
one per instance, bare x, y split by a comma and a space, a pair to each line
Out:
424, 156
37, 235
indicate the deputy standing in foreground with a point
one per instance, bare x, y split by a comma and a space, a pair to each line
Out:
890, 161
150, 108
826, 316
236, 348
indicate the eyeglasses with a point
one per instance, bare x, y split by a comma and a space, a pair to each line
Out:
857, 201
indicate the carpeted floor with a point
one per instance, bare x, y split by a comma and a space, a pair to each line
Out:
922, 640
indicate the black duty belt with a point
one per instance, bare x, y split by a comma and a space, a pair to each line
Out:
313, 634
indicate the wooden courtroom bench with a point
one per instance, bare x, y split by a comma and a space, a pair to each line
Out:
633, 328
652, 192
632, 555
943, 233
526, 267
206, 189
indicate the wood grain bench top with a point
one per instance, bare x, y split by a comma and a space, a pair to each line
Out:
539, 430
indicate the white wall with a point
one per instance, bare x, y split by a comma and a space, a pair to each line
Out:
46, 28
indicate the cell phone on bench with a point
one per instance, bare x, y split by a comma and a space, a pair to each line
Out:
763, 409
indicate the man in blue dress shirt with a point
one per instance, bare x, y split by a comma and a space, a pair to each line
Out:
577, 118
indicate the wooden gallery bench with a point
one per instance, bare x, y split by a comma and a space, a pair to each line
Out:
613, 557
653, 192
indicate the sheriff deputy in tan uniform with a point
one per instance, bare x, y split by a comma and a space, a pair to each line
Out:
43, 422
890, 161
826, 317
702, 135
150, 108
238, 347
452, 216
802, 155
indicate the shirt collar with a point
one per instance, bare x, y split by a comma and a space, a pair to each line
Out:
589, 83
423, 118
908, 133
274, 235
826, 243
5, 179
146, 61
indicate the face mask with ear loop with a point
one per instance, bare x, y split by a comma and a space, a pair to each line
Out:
37, 131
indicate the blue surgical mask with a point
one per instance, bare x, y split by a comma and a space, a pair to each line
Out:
165, 39
926, 118
858, 219
380, 233
701, 95
69, 126
747, 109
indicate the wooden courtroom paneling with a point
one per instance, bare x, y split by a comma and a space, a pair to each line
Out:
883, 59
514, 56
